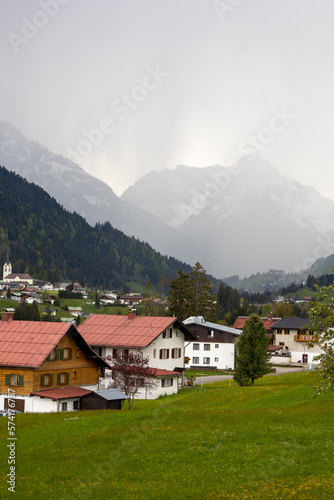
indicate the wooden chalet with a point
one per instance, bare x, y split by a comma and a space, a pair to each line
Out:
36, 356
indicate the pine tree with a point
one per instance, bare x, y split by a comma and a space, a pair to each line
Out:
252, 355
179, 292
202, 301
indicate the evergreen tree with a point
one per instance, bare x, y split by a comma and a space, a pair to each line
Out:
27, 312
202, 301
179, 292
252, 355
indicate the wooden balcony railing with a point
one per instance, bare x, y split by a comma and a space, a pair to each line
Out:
305, 338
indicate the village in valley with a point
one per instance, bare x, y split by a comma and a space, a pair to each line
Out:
69, 364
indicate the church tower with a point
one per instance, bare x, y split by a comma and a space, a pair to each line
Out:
7, 268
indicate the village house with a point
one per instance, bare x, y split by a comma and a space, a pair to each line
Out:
214, 346
161, 339
45, 366
293, 335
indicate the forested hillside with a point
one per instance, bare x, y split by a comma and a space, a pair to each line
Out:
51, 243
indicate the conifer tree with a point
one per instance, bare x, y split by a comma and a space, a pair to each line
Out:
252, 355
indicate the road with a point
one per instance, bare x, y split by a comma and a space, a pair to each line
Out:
209, 379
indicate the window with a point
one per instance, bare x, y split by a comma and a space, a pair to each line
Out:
168, 334
286, 332
216, 360
154, 353
195, 360
281, 343
164, 354
64, 407
66, 353
46, 380
76, 404
279, 331
206, 361
206, 347
63, 378
217, 346
211, 333
176, 352
196, 347
14, 380
166, 382
114, 353
78, 352
53, 356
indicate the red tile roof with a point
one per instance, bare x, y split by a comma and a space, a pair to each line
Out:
157, 372
28, 343
121, 331
62, 393
267, 322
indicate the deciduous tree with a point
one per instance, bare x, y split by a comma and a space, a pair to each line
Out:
131, 374
321, 316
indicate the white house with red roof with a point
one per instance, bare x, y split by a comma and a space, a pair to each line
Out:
45, 366
161, 339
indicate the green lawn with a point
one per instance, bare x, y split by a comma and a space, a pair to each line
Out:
270, 441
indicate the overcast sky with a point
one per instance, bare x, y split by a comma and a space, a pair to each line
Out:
168, 82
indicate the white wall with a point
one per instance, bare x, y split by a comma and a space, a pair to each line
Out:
224, 353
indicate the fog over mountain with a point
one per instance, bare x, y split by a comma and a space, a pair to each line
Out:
79, 191
245, 218
241, 219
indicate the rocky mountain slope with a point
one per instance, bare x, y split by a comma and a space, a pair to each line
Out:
78, 191
245, 218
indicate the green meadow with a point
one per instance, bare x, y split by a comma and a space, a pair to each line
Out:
270, 441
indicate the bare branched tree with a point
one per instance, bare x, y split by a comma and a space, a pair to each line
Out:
131, 374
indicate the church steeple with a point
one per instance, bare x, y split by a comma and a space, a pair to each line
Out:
7, 268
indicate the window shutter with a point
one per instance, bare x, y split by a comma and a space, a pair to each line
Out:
70, 353
173, 353
7, 379
170, 333
51, 379
160, 355
67, 378
57, 354
180, 352
42, 380
48, 358
167, 353
20, 380
58, 378
61, 354
171, 382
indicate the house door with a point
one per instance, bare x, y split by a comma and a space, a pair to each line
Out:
305, 358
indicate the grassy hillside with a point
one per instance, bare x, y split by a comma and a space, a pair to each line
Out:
270, 441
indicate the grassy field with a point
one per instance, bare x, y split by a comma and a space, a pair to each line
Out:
270, 441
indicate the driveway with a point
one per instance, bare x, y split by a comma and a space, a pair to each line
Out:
209, 379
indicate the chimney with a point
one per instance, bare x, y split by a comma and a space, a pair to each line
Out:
6, 316
270, 315
132, 314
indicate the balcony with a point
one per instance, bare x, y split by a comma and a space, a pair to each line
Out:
305, 338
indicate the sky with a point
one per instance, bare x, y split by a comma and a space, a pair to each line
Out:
124, 87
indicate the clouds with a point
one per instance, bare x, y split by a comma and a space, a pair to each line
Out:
226, 75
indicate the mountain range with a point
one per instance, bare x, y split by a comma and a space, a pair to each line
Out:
235, 220
245, 218
80, 192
